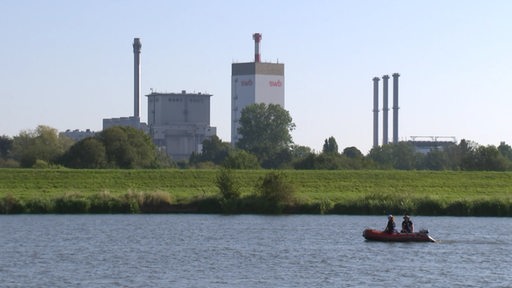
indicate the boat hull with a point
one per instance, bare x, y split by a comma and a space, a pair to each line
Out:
377, 235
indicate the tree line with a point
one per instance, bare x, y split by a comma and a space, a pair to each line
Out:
265, 143
116, 147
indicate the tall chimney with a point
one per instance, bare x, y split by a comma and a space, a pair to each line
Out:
136, 76
376, 112
385, 110
395, 107
257, 39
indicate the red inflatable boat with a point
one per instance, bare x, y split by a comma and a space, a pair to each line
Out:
377, 235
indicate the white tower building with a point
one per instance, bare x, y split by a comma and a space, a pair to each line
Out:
254, 82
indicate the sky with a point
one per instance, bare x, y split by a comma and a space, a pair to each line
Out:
69, 64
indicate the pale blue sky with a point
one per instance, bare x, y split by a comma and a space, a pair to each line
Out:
68, 64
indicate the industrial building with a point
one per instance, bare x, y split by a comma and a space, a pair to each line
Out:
179, 122
78, 135
426, 144
132, 121
421, 144
254, 83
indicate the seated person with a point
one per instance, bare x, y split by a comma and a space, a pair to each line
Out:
390, 228
407, 226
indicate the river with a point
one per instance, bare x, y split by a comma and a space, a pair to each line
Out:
248, 251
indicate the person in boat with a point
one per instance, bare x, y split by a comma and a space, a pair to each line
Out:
390, 228
407, 226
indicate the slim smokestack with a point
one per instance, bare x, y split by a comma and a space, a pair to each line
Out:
376, 112
136, 76
257, 39
385, 110
395, 107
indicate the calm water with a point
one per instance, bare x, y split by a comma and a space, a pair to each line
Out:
248, 251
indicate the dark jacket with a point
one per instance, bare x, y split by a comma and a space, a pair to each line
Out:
407, 226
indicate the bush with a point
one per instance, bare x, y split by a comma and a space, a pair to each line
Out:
227, 184
275, 191
11, 205
229, 190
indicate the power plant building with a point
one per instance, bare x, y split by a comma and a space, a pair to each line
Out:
132, 121
254, 83
179, 122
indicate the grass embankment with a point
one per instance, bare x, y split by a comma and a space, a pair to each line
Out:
336, 192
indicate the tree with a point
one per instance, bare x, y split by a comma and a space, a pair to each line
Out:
329, 161
119, 153
436, 160
395, 156
466, 150
353, 153
44, 143
214, 150
354, 158
88, 153
240, 159
382, 156
488, 158
265, 130
300, 152
505, 150
5, 146
330, 146
404, 156
5, 153
127, 147
305, 163
452, 157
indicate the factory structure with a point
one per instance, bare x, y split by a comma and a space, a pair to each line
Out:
425, 144
131, 121
422, 144
385, 110
178, 123
253, 83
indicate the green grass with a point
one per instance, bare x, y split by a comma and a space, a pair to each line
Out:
344, 192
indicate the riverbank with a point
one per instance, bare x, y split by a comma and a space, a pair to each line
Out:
317, 192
